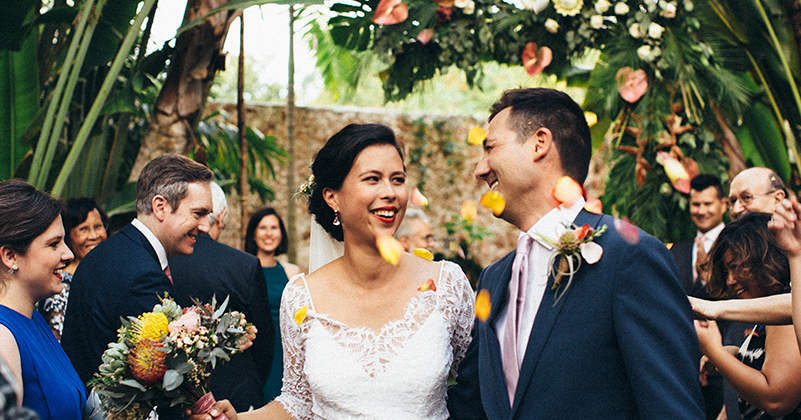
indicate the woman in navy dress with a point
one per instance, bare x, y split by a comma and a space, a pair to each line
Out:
32, 257
266, 238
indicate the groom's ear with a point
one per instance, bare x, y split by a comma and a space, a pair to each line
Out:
540, 143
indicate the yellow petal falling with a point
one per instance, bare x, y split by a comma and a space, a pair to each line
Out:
591, 118
390, 248
483, 305
476, 135
494, 201
300, 314
469, 211
423, 253
428, 286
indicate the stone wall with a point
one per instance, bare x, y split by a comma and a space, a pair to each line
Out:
438, 160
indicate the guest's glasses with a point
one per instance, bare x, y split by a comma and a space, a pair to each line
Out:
745, 198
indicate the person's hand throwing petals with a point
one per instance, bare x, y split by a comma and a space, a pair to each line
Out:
786, 228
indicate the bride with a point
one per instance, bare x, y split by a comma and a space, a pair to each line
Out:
371, 344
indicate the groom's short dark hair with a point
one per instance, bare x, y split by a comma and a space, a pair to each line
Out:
539, 107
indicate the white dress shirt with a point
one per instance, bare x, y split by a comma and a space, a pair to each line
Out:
709, 239
552, 225
154, 242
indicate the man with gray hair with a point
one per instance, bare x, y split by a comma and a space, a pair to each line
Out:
415, 232
216, 269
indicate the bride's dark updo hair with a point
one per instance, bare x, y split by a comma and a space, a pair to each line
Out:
334, 161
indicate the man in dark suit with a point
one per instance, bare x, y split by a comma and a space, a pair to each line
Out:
619, 343
218, 269
707, 207
126, 274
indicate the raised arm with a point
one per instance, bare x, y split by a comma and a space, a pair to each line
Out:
769, 310
786, 229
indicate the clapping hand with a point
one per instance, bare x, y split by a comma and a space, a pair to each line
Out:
785, 225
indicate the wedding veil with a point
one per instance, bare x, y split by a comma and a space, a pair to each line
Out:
323, 248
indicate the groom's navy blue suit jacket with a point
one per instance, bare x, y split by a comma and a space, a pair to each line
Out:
619, 345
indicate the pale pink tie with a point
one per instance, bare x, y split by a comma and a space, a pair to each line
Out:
514, 313
167, 272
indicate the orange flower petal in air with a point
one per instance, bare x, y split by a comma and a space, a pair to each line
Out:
627, 231
418, 199
390, 12
300, 314
390, 249
567, 190
469, 211
428, 286
423, 253
593, 205
483, 305
476, 135
494, 201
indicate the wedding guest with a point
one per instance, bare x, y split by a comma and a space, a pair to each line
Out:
216, 269
747, 263
415, 232
125, 275
34, 255
85, 224
752, 190
266, 238
363, 337
618, 342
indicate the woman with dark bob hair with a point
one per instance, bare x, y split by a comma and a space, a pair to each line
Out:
266, 238
34, 255
364, 337
85, 224
747, 263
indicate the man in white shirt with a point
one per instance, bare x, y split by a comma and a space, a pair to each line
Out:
125, 275
415, 232
615, 339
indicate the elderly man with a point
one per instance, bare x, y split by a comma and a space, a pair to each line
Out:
125, 275
217, 269
618, 342
755, 189
415, 231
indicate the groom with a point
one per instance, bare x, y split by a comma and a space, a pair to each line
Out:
619, 344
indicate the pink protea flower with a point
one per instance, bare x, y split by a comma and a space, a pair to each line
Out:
188, 322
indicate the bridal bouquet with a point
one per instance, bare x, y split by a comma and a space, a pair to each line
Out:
165, 358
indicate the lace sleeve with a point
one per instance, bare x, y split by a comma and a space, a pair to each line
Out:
295, 395
461, 301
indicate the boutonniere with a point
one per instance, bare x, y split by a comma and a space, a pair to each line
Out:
575, 244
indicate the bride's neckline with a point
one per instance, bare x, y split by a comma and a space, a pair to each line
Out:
385, 327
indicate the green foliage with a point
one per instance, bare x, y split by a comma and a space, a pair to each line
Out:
221, 143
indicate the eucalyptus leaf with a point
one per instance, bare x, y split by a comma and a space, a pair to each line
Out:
172, 379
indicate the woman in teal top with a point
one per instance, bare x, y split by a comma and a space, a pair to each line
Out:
266, 238
32, 257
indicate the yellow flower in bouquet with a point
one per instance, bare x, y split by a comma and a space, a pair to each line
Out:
150, 326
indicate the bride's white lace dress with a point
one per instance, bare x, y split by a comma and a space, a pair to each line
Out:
334, 371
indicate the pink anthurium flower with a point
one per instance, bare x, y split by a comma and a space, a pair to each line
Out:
535, 60
390, 12
631, 84
425, 36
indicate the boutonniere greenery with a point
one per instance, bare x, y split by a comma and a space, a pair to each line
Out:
573, 245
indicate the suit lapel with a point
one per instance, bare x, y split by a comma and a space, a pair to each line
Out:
544, 321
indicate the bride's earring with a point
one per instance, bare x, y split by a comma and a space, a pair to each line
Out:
336, 219
13, 269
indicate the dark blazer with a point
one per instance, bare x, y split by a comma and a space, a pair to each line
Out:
683, 254
619, 345
120, 277
216, 268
